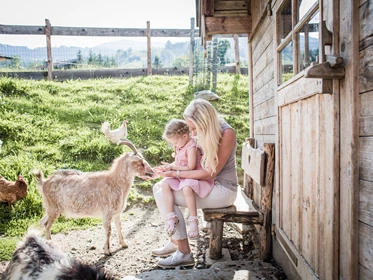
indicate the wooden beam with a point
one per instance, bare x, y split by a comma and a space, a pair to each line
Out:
231, 6
209, 8
227, 25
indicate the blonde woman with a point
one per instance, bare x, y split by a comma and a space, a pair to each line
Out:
218, 142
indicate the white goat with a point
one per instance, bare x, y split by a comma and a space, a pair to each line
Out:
35, 259
103, 194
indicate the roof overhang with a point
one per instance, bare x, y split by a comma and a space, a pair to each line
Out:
222, 17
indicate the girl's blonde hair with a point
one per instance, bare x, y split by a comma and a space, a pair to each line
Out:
175, 127
208, 125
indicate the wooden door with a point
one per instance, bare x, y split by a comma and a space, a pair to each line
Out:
307, 179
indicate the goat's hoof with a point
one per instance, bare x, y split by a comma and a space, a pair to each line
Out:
124, 245
107, 253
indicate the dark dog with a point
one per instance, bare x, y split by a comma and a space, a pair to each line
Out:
35, 259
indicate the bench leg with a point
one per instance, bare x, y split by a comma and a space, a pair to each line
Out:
216, 238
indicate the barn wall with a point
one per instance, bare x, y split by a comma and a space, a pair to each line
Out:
366, 141
263, 83
264, 113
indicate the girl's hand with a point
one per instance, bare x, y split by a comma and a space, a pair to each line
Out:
168, 173
166, 166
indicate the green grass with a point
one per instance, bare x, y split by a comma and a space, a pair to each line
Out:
51, 125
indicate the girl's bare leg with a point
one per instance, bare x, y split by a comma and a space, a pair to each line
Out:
190, 200
171, 219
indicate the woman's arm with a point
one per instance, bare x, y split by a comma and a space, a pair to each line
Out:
226, 145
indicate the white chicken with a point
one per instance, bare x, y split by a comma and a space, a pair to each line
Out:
115, 136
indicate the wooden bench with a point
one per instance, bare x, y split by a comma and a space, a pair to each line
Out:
258, 166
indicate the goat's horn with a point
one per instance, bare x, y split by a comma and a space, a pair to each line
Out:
129, 144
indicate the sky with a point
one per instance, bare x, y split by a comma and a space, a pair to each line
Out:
162, 14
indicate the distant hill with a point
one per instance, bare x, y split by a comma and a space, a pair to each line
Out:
125, 52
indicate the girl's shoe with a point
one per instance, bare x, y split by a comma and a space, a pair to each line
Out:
193, 227
172, 222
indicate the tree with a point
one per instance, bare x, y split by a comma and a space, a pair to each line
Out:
157, 62
181, 61
100, 60
15, 62
223, 47
79, 57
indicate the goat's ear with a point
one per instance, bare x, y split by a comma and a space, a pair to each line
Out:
129, 144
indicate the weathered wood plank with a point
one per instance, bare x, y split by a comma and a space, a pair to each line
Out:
253, 162
230, 5
93, 31
264, 77
298, 89
309, 108
265, 126
258, 10
366, 126
366, 30
364, 273
262, 61
366, 202
285, 155
366, 246
209, 7
263, 37
265, 93
296, 166
228, 25
327, 189
366, 69
264, 110
348, 24
366, 114
366, 159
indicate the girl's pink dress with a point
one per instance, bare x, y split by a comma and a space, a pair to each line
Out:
201, 187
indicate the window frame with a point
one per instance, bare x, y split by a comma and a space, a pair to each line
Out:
292, 36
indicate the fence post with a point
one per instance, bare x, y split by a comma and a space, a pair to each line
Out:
208, 65
149, 45
49, 49
214, 62
191, 52
237, 54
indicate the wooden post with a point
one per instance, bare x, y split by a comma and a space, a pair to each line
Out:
216, 238
237, 54
191, 52
214, 63
251, 89
208, 65
48, 29
149, 46
266, 203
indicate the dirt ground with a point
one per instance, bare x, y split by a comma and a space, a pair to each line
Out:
143, 231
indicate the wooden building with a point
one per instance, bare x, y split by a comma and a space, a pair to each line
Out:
311, 94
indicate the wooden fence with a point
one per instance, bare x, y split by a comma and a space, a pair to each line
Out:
48, 30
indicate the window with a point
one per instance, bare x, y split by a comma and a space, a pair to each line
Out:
298, 36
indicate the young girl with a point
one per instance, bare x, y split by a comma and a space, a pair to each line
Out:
187, 157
